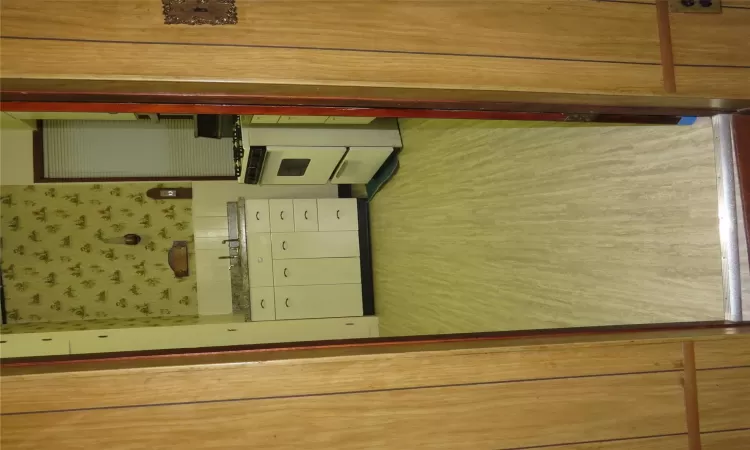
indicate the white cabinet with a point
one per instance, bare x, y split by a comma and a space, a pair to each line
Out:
258, 219
259, 259
310, 302
337, 214
262, 306
360, 164
71, 116
308, 265
214, 279
33, 344
305, 215
300, 272
282, 215
328, 244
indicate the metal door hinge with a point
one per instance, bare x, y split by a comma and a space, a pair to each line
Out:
695, 6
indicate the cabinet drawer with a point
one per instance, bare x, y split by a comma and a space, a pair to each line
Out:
337, 214
259, 259
33, 344
298, 272
282, 215
321, 244
316, 302
262, 304
257, 216
306, 215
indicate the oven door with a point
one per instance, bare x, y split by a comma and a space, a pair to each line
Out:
300, 165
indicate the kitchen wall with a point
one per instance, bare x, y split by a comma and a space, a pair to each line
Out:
488, 228
58, 264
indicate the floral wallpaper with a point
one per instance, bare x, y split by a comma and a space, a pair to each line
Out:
62, 262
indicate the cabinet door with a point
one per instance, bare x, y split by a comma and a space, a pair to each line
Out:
299, 272
34, 344
306, 215
257, 216
259, 259
360, 164
315, 302
262, 304
282, 215
337, 214
320, 244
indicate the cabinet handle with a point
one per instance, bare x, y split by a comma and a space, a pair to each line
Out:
283, 245
285, 274
281, 214
337, 214
263, 303
286, 302
305, 215
257, 215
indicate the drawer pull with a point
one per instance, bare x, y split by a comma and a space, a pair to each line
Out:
286, 275
337, 214
257, 215
283, 245
263, 303
305, 215
46, 339
286, 302
281, 214
231, 329
103, 336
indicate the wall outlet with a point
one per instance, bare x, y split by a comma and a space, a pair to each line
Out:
695, 6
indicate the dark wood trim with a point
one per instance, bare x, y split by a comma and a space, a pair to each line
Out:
741, 138
690, 388
365, 257
39, 177
401, 113
191, 93
3, 311
665, 47
37, 143
299, 110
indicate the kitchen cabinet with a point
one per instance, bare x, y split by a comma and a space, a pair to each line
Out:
306, 264
258, 219
324, 244
305, 215
71, 116
282, 215
300, 272
308, 302
262, 306
259, 259
33, 344
338, 214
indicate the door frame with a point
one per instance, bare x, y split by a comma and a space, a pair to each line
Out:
603, 109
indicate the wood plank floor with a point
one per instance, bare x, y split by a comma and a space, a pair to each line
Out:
488, 226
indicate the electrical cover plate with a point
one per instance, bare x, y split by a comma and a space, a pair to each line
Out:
694, 6
199, 12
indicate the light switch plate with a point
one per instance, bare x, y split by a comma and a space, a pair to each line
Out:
695, 6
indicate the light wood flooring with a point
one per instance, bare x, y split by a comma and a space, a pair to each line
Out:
490, 226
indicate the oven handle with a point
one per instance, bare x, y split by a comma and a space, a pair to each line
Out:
342, 168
